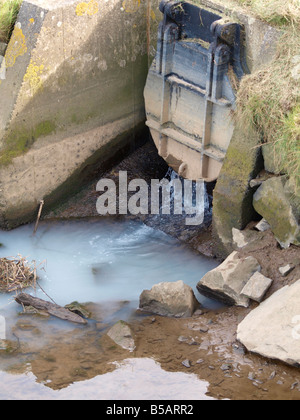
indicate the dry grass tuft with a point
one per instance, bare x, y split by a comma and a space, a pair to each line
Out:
16, 274
270, 100
276, 12
9, 10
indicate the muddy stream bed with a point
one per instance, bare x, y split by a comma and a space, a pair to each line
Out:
106, 263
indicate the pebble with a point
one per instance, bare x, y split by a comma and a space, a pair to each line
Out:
279, 383
186, 363
211, 367
272, 376
225, 367
286, 270
199, 312
203, 329
238, 349
252, 376
200, 361
194, 343
295, 384
183, 339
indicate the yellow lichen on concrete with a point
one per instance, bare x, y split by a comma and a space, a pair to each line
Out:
131, 6
90, 8
16, 47
33, 76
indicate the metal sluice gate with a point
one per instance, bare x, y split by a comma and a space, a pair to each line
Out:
191, 88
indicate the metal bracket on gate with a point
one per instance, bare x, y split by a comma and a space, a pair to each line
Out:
199, 54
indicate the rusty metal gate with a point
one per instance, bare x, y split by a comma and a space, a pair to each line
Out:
191, 88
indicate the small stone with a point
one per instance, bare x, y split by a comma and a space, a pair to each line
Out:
200, 361
257, 287
183, 339
286, 270
78, 309
272, 376
211, 367
263, 226
295, 384
121, 334
252, 376
186, 363
193, 343
279, 383
199, 312
204, 329
225, 367
256, 182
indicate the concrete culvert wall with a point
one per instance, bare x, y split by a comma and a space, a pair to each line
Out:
72, 95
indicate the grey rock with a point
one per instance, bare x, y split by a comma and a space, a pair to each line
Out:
257, 287
227, 281
286, 270
263, 226
271, 164
272, 329
256, 183
169, 299
242, 238
273, 203
121, 334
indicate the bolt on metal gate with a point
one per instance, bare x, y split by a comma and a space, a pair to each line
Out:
191, 88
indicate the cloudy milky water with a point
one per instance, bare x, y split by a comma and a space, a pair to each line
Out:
98, 261
103, 261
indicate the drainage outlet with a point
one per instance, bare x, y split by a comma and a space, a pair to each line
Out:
191, 88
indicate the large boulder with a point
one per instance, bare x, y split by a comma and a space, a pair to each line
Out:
169, 299
226, 282
273, 329
273, 201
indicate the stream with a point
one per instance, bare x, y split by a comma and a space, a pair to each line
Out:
105, 263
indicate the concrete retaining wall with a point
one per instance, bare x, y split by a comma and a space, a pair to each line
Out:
75, 73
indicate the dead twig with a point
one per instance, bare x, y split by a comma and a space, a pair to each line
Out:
38, 216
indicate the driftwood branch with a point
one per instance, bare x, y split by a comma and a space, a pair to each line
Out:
50, 308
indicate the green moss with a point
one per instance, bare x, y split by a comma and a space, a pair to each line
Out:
19, 141
44, 129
